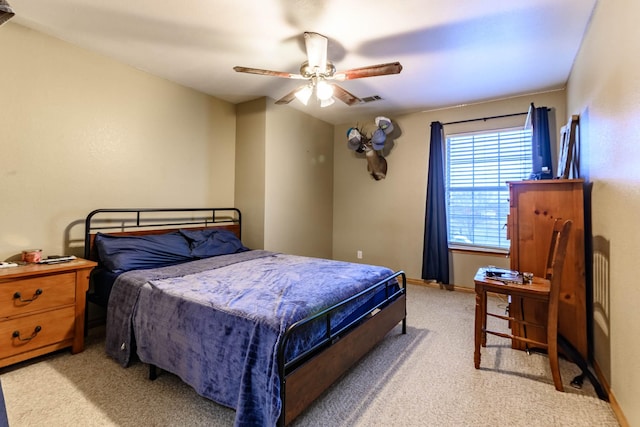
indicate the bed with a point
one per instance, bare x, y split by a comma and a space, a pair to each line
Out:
262, 332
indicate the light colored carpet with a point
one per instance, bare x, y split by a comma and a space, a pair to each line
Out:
424, 378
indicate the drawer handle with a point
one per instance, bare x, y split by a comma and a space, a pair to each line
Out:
17, 295
16, 334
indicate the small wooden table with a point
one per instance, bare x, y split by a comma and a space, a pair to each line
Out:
538, 290
42, 309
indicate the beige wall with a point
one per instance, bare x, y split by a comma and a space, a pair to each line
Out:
299, 183
604, 89
79, 132
284, 179
385, 219
250, 170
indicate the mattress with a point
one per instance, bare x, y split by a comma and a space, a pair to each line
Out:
217, 322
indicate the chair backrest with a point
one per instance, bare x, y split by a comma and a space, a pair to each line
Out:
555, 265
558, 246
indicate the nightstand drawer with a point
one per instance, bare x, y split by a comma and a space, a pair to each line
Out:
24, 296
39, 330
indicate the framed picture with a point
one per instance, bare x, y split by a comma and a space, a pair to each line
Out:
567, 146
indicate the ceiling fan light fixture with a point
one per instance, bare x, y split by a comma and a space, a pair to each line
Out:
324, 90
326, 102
6, 12
304, 94
318, 70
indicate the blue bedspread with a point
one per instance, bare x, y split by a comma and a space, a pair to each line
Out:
217, 322
4, 422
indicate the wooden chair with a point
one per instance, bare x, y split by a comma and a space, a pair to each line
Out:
545, 289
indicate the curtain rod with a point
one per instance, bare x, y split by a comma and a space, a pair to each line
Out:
485, 118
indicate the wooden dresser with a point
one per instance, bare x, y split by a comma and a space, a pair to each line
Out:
42, 309
534, 206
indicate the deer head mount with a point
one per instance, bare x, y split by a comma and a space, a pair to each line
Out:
372, 146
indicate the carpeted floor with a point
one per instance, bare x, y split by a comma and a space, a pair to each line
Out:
423, 378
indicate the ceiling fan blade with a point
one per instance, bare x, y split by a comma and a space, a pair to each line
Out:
288, 97
262, 72
370, 71
316, 50
344, 96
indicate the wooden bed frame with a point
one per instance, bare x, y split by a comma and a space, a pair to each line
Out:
304, 379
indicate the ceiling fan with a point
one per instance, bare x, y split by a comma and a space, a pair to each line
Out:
318, 70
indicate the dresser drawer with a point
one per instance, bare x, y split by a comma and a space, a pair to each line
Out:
24, 296
19, 335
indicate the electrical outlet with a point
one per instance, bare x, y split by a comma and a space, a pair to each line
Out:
359, 254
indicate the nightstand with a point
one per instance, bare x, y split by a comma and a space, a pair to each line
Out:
42, 309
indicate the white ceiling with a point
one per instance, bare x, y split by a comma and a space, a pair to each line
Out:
453, 51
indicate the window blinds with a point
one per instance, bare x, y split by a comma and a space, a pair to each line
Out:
478, 166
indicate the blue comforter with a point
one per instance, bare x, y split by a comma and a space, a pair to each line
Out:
217, 322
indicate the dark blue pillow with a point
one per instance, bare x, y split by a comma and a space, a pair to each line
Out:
124, 253
211, 242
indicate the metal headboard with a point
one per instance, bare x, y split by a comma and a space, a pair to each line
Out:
152, 220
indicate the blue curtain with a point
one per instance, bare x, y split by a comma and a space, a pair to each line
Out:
435, 256
540, 144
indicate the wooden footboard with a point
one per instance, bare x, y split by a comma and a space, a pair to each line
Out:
305, 383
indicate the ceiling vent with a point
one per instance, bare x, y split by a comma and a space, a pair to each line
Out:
371, 98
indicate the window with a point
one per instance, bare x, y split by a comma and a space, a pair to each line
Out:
478, 166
